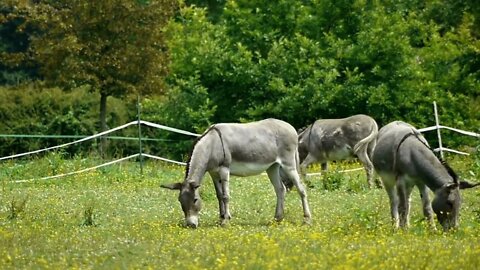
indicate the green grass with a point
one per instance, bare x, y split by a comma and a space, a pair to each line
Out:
114, 218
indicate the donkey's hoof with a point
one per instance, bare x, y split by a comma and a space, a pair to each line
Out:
224, 222
278, 219
307, 221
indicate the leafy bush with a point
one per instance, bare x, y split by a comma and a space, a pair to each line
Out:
286, 60
34, 110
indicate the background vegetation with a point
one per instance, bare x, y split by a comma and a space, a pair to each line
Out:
201, 62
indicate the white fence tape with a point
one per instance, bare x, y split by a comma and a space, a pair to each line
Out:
342, 171
150, 124
165, 159
469, 133
169, 128
70, 143
100, 135
441, 148
77, 172
100, 166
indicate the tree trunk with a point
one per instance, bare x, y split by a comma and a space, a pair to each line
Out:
103, 122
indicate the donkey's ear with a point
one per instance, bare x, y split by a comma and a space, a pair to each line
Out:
172, 186
451, 186
466, 184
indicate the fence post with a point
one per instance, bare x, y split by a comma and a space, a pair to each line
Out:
139, 135
437, 124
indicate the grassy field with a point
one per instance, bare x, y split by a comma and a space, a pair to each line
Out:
115, 218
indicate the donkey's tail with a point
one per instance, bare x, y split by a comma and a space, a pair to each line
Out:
287, 182
365, 143
297, 162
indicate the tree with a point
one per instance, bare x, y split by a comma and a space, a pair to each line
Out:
114, 46
15, 68
302, 60
214, 7
204, 57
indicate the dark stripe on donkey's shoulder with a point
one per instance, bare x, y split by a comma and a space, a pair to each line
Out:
187, 167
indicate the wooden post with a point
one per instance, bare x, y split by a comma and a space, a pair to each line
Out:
437, 123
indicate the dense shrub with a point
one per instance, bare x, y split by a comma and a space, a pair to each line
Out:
286, 60
33, 110
293, 60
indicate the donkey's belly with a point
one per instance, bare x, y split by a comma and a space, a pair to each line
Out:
339, 153
248, 168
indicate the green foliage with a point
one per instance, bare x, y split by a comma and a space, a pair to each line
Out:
36, 110
16, 207
332, 181
113, 46
301, 61
203, 56
15, 67
214, 7
243, 60
258, 24
476, 163
187, 106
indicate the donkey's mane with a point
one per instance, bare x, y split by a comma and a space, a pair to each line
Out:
449, 169
187, 167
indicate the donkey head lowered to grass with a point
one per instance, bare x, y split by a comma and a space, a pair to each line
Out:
403, 160
242, 150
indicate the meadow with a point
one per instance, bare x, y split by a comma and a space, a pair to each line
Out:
115, 218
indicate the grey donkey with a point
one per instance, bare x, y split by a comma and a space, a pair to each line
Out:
338, 139
403, 160
243, 150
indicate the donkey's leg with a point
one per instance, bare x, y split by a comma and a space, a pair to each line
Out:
219, 192
280, 190
224, 174
367, 164
391, 188
427, 206
324, 166
303, 166
404, 191
375, 178
292, 173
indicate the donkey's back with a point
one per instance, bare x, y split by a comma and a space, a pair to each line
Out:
262, 142
389, 140
338, 139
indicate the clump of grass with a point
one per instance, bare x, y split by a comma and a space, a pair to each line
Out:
16, 207
333, 181
56, 161
88, 216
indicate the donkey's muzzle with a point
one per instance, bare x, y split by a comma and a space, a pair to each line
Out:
191, 222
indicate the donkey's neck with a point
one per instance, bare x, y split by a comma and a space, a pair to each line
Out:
432, 172
199, 159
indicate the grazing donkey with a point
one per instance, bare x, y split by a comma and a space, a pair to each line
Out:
403, 159
242, 150
338, 139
